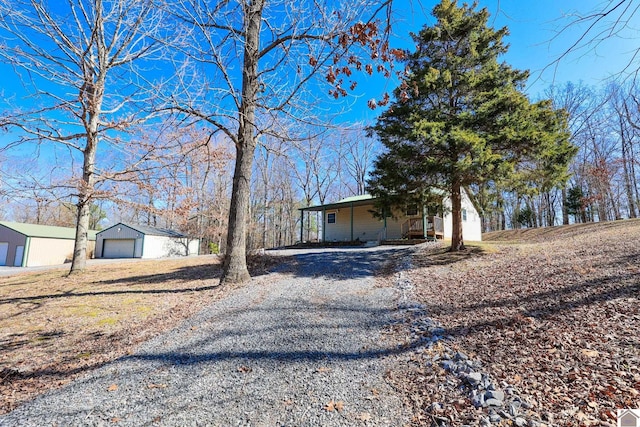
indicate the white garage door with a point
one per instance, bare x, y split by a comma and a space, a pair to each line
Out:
118, 248
4, 250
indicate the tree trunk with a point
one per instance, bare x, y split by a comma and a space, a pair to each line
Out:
79, 260
457, 242
235, 262
565, 212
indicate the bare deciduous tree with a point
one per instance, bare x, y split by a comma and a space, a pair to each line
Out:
259, 56
80, 60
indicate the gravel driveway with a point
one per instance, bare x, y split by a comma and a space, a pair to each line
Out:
305, 348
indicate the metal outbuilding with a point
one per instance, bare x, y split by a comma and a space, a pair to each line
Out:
33, 245
140, 241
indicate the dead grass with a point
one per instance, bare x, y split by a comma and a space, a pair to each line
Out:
54, 327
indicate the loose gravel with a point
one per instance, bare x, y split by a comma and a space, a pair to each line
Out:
299, 349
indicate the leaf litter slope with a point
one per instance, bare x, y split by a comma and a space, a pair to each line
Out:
553, 312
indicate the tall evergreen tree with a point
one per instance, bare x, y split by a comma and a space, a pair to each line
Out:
460, 117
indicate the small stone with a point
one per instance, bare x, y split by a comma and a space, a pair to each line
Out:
460, 356
448, 365
495, 418
478, 400
493, 402
534, 423
436, 407
474, 378
520, 422
495, 394
484, 421
514, 408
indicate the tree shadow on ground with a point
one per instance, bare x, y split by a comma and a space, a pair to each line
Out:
557, 296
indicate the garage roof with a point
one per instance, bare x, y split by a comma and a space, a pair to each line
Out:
149, 231
46, 231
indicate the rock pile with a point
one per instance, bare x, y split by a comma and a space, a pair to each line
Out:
495, 404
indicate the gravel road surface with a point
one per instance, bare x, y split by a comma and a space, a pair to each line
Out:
299, 348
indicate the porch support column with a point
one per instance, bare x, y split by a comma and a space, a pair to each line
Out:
324, 221
424, 222
352, 221
301, 225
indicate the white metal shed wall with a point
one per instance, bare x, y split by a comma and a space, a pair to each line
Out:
164, 246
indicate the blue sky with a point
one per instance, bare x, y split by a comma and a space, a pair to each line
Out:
535, 43
536, 40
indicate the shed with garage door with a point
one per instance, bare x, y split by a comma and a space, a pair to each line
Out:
141, 241
34, 245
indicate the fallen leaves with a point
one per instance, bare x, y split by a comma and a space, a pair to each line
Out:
334, 406
113, 387
558, 319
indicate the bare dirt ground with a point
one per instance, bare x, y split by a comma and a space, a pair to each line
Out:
54, 327
554, 313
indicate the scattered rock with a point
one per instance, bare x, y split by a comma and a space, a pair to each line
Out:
493, 402
495, 394
474, 378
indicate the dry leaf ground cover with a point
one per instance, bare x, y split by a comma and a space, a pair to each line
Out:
554, 312
54, 327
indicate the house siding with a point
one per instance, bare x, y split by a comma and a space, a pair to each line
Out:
368, 228
44, 251
471, 228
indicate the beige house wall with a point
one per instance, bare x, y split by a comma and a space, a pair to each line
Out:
43, 251
368, 228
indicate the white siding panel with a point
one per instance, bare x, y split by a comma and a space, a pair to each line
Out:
163, 246
340, 231
366, 227
471, 228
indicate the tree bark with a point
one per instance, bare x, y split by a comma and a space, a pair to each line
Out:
235, 263
565, 212
79, 261
457, 241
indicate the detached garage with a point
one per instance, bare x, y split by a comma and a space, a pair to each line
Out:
139, 241
33, 245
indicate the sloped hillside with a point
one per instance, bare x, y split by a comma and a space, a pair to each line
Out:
552, 314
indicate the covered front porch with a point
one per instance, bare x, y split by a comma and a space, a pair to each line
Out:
353, 220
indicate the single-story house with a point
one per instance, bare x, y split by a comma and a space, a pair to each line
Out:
352, 219
141, 241
33, 245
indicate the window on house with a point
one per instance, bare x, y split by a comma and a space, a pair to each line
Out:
331, 218
412, 210
464, 214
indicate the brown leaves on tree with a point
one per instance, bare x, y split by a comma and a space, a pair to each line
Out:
370, 39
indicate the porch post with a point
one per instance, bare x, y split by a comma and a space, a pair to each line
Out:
301, 225
424, 222
324, 229
352, 221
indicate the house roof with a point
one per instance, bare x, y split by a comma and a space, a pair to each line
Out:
149, 231
363, 200
46, 231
